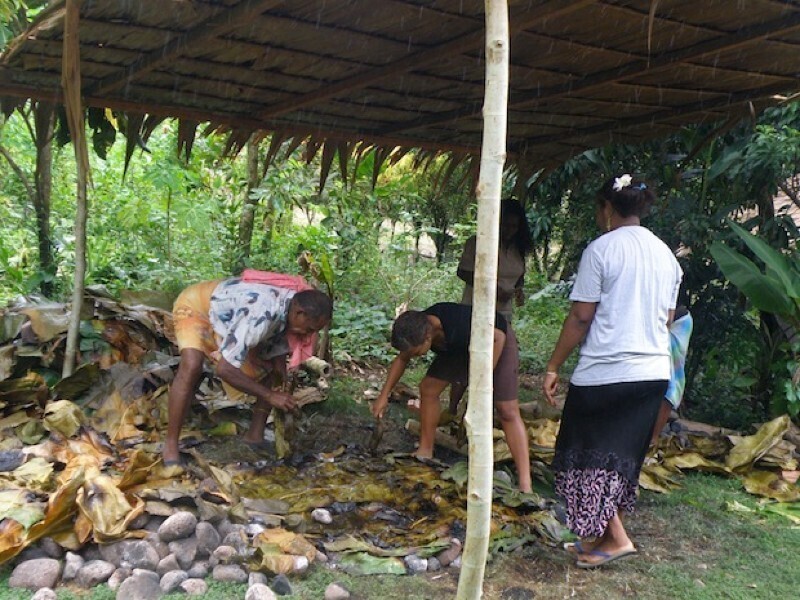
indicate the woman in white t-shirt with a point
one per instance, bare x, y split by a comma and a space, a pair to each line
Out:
622, 301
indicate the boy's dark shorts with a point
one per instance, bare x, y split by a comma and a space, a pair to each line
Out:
454, 368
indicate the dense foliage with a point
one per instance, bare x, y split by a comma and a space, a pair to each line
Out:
166, 222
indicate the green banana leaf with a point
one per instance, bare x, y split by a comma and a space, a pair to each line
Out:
361, 563
765, 292
772, 258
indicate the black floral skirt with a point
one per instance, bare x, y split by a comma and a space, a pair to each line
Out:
604, 435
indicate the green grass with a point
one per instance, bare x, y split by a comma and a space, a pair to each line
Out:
342, 397
718, 553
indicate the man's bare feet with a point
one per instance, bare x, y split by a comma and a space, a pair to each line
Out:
423, 454
170, 454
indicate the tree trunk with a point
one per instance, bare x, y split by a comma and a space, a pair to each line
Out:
478, 419
440, 240
247, 218
43, 117
71, 83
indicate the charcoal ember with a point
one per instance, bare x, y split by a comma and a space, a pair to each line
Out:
339, 508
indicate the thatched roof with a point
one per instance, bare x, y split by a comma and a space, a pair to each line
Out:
409, 73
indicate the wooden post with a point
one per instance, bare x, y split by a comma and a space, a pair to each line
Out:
71, 83
478, 419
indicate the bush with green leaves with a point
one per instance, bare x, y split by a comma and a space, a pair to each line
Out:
773, 289
361, 332
537, 323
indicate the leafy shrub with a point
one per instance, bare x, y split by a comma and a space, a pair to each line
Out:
725, 387
361, 332
537, 324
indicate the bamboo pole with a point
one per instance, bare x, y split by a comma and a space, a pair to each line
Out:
71, 83
478, 419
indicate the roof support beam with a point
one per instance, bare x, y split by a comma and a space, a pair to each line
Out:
470, 41
723, 43
724, 101
225, 21
12, 90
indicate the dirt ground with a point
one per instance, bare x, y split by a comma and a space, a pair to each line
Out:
545, 573
534, 571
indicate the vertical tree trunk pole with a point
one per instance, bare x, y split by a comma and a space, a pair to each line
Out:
71, 83
43, 118
479, 411
247, 218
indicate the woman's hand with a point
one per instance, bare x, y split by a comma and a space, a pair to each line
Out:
378, 407
550, 387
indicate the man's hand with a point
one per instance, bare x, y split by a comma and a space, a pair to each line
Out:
379, 406
281, 400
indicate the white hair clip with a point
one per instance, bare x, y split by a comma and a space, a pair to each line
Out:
621, 182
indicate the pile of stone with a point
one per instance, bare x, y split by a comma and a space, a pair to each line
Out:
178, 554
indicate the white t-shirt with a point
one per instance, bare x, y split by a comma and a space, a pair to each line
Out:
634, 279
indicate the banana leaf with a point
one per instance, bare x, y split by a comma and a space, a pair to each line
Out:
47, 320
458, 474
748, 449
788, 511
34, 475
772, 258
7, 361
279, 550
226, 428
104, 505
361, 563
657, 478
693, 460
24, 391
64, 417
14, 420
770, 485
58, 517
118, 418
16, 504
31, 432
84, 377
288, 542
351, 544
765, 292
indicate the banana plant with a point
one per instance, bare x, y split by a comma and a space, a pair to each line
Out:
776, 288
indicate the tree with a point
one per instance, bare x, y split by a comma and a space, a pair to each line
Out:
248, 215
14, 18
478, 419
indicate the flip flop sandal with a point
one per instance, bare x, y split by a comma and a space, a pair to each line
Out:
605, 558
574, 548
